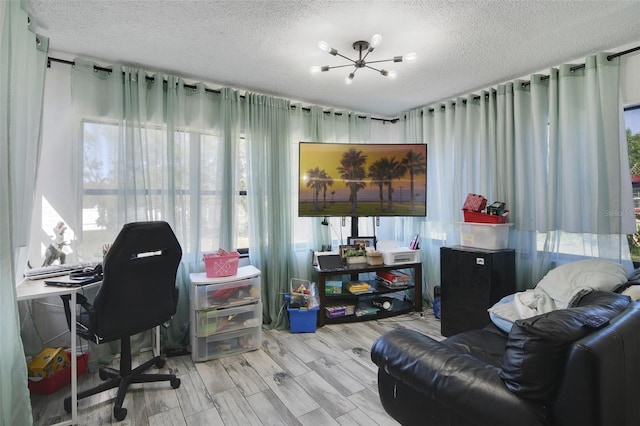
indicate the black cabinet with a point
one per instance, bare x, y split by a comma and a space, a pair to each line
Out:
471, 281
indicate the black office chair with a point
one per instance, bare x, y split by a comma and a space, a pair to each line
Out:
137, 293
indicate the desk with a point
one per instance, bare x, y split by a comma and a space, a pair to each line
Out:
36, 289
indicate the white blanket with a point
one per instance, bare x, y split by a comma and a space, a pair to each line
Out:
562, 287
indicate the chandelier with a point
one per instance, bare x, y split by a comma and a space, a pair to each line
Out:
363, 48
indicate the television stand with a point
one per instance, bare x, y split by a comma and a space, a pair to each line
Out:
345, 298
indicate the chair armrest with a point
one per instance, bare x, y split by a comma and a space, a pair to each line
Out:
456, 380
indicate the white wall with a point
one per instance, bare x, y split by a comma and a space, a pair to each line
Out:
54, 174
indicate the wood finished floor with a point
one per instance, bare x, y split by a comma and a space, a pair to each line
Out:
321, 378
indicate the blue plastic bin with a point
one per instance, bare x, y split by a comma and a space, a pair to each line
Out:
302, 320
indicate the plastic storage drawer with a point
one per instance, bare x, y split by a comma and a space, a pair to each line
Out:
215, 321
224, 344
226, 294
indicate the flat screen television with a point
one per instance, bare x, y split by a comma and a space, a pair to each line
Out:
341, 179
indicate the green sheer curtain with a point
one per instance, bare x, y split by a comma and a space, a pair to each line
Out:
553, 148
175, 160
267, 130
320, 234
317, 124
404, 229
23, 59
588, 128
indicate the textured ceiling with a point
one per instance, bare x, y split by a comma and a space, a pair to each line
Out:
269, 46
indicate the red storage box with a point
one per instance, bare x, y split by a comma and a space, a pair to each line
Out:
60, 378
476, 217
474, 203
221, 263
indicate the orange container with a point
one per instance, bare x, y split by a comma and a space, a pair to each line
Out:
221, 264
475, 217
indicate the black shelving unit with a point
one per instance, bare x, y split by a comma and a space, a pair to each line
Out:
352, 273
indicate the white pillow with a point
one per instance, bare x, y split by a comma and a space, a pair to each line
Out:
564, 281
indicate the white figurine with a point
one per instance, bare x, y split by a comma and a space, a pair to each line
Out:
54, 251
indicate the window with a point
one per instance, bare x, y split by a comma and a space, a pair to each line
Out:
632, 124
102, 179
580, 244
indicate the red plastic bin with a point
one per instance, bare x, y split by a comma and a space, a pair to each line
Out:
61, 378
474, 217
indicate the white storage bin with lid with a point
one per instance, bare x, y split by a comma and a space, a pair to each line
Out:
225, 314
488, 236
239, 289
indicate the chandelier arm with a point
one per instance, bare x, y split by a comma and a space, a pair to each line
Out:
345, 57
383, 60
372, 68
366, 54
341, 66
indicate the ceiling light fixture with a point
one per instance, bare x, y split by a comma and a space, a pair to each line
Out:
363, 48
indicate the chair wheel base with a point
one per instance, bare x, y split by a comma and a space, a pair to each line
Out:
175, 383
119, 413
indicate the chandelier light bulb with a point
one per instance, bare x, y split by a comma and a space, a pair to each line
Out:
315, 69
375, 40
409, 57
324, 46
387, 73
349, 79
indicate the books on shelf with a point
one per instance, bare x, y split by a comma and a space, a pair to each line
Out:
366, 308
337, 311
358, 287
394, 279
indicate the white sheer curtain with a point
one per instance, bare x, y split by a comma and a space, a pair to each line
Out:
23, 58
553, 149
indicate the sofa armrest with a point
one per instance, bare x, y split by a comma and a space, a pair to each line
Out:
456, 380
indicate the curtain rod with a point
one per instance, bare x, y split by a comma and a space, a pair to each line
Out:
578, 67
545, 77
206, 89
383, 120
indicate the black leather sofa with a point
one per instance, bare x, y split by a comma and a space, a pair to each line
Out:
576, 366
